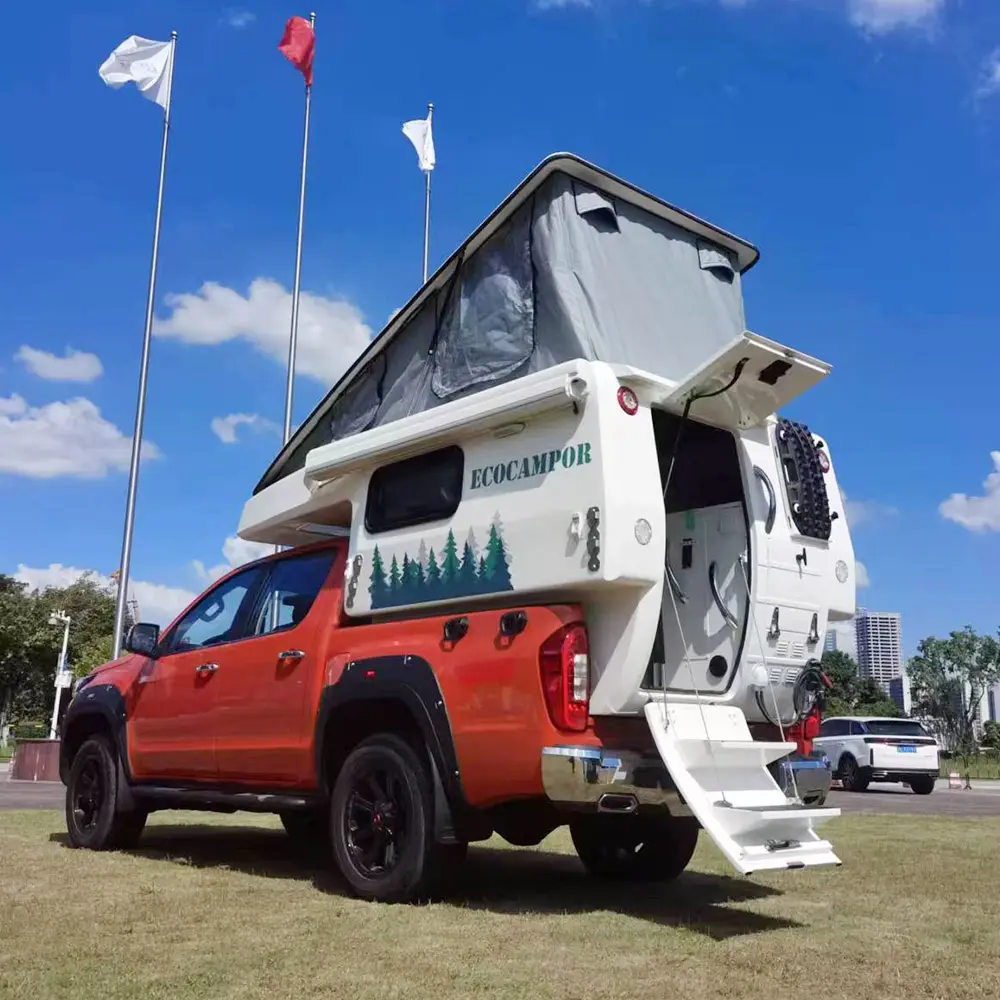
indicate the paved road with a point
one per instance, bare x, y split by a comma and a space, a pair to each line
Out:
983, 799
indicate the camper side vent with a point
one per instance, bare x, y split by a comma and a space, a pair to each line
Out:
805, 484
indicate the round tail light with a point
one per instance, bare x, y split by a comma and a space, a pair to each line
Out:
824, 460
628, 401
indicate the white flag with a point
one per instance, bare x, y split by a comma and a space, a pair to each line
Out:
143, 62
419, 133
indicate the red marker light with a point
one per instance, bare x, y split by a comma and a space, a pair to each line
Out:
628, 401
369, 674
824, 460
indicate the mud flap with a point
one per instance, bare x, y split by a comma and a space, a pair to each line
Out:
722, 774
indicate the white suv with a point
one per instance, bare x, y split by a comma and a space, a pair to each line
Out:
865, 748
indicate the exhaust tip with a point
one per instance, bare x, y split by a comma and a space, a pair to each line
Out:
612, 803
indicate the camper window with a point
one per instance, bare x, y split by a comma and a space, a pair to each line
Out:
356, 409
488, 328
415, 491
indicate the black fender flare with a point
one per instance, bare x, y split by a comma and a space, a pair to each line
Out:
410, 681
106, 703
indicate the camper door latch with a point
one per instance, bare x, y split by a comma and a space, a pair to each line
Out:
594, 539
353, 573
802, 558
813, 631
775, 630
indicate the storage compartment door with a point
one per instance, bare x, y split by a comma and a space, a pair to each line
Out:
770, 377
706, 591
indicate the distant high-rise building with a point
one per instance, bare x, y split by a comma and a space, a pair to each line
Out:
880, 646
830, 641
899, 692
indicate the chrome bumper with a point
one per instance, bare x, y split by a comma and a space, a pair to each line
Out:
588, 779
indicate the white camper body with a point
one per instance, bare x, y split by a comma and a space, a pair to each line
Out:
703, 535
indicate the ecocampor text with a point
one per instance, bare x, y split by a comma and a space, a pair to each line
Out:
531, 465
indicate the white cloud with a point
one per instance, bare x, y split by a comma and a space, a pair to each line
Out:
224, 428
861, 580
331, 334
882, 16
989, 75
236, 552
75, 366
157, 603
980, 513
62, 439
860, 512
549, 4
239, 18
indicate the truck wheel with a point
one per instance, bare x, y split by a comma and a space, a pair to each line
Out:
922, 786
631, 847
382, 822
851, 776
92, 817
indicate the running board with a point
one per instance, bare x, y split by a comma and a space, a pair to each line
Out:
721, 773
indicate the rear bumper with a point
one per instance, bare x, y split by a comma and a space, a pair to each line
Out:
903, 775
592, 779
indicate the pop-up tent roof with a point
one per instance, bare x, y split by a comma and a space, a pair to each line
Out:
575, 263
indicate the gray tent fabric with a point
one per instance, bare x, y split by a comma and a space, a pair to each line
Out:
573, 273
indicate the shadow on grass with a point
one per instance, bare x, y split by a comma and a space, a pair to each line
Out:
507, 881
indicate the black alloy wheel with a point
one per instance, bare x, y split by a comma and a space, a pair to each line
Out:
382, 822
93, 819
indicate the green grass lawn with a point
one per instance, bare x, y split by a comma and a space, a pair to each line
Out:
225, 907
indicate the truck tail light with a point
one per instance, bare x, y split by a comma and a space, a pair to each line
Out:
564, 659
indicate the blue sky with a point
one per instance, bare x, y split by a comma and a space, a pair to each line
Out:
857, 142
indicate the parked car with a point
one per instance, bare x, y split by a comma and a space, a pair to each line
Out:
866, 748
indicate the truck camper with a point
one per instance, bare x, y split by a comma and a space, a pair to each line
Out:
580, 553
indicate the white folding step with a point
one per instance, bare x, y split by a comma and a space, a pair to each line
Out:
721, 772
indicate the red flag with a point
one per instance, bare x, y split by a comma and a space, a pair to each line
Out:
298, 45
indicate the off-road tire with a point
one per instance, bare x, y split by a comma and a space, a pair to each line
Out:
401, 809
633, 847
93, 817
852, 778
922, 786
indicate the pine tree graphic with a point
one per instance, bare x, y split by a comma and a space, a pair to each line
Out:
394, 580
377, 588
449, 565
467, 571
497, 564
433, 581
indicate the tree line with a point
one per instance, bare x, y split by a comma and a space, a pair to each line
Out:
30, 646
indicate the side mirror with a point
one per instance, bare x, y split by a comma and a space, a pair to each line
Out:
142, 638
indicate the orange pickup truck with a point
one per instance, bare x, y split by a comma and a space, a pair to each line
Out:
394, 744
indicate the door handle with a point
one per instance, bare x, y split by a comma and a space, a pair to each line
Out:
731, 620
204, 669
772, 504
291, 654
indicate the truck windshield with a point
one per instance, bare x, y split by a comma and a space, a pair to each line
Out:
895, 727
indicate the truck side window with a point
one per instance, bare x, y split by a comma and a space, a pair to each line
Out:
290, 591
415, 491
216, 617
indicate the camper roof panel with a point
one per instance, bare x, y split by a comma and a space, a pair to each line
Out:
495, 336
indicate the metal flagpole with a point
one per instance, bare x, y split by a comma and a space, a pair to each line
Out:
427, 200
133, 475
293, 335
